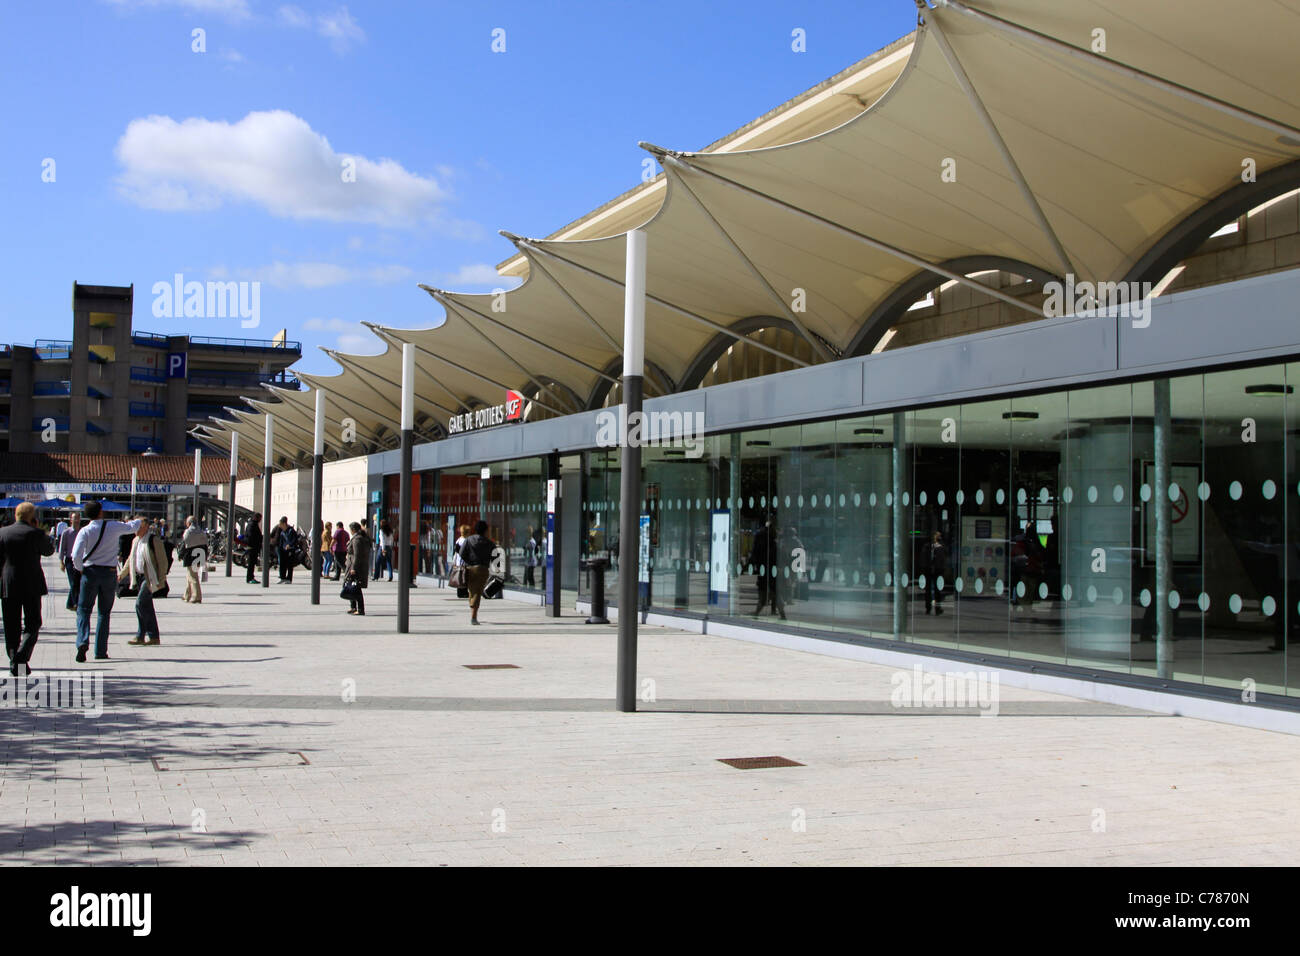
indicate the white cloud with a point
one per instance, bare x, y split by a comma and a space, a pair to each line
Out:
232, 10
360, 344
273, 159
477, 274
317, 275
231, 55
338, 26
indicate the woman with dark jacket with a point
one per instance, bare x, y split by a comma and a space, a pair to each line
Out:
476, 552
358, 566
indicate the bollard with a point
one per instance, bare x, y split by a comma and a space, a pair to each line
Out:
597, 566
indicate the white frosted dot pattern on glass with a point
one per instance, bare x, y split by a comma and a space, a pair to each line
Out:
871, 579
940, 498
1174, 491
1269, 489
1092, 494
921, 498
1001, 496
1092, 594
1042, 590
979, 496
1067, 494
1234, 491
1021, 497
997, 586
959, 585
1234, 604
1203, 491
1268, 606
1203, 601
920, 581
1020, 589
872, 499
903, 579
1144, 598
1117, 493
979, 585
1145, 492
907, 496
1117, 595
1066, 592
938, 582
961, 497
1174, 599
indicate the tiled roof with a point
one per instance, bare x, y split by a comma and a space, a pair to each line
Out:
161, 469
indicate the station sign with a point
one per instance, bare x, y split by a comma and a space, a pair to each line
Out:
511, 410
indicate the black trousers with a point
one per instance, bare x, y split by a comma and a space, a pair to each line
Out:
19, 611
252, 564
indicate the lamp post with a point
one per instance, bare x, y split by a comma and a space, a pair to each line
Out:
404, 575
317, 484
230, 502
267, 458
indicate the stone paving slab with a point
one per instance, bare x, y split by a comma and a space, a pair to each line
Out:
413, 759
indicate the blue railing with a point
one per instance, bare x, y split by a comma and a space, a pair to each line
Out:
210, 342
48, 388
149, 339
60, 423
242, 380
147, 410
53, 349
6, 351
139, 443
142, 373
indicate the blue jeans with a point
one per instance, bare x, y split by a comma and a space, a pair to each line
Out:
327, 562
96, 584
146, 619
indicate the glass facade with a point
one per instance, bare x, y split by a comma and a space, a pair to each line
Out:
1145, 528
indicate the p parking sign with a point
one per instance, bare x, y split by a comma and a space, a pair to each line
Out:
177, 365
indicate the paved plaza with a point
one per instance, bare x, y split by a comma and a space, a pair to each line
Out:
264, 731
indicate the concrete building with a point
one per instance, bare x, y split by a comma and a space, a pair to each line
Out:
111, 389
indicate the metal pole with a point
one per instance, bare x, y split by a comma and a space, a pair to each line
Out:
404, 577
134, 474
198, 479
554, 538
267, 458
1163, 408
901, 540
230, 502
317, 483
630, 491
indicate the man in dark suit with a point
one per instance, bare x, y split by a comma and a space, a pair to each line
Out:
22, 584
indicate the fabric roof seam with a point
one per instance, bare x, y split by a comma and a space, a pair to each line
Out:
462, 405
534, 260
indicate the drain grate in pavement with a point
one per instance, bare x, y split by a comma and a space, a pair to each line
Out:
260, 761
491, 667
758, 763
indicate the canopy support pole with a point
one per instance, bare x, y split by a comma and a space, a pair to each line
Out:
877, 244
981, 111
694, 316
1132, 72
818, 347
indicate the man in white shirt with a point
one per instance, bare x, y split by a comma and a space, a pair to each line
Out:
94, 554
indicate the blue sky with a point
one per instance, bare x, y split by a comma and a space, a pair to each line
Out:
228, 163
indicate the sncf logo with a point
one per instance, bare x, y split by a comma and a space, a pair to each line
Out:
514, 405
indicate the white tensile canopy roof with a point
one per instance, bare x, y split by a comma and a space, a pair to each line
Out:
1005, 135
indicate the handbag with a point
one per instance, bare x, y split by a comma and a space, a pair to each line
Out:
494, 588
462, 592
351, 590
456, 579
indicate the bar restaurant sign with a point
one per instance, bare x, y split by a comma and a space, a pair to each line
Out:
95, 488
511, 410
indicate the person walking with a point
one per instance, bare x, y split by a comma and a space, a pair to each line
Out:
357, 567
194, 555
340, 545
936, 562
476, 553
439, 552
145, 569
286, 549
326, 552
384, 550
530, 558
764, 556
63, 548
253, 541
94, 554
22, 585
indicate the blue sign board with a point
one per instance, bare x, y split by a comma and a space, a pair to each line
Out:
177, 364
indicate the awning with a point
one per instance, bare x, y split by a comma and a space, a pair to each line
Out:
1057, 138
